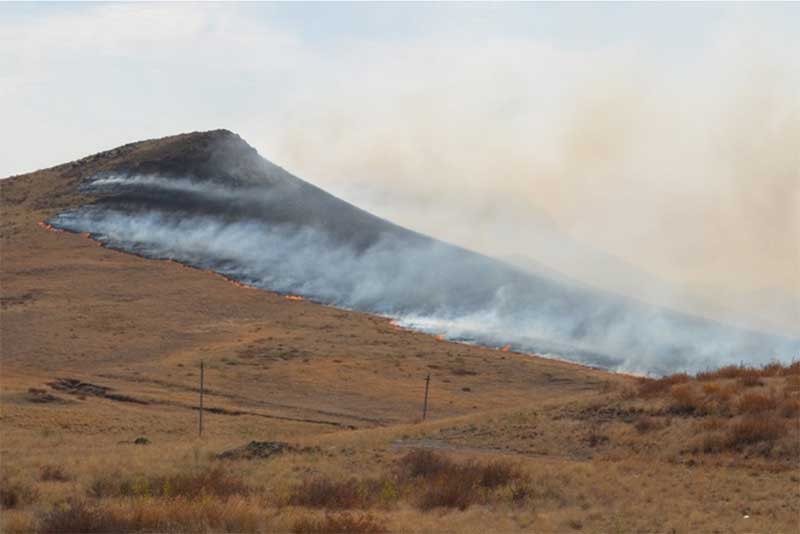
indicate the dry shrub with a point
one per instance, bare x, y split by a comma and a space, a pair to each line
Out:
751, 380
498, 473
792, 383
686, 401
789, 408
646, 423
729, 371
207, 481
456, 488
423, 463
336, 495
449, 484
751, 403
54, 473
793, 369
78, 516
335, 524
16, 493
650, 387
153, 515
17, 522
713, 442
750, 374
755, 429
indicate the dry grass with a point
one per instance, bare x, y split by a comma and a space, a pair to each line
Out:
755, 429
148, 515
16, 493
448, 484
649, 387
206, 481
54, 473
339, 523
319, 492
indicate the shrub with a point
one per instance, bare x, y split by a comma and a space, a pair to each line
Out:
686, 401
454, 485
78, 516
498, 473
53, 473
209, 481
423, 463
751, 403
154, 515
324, 493
751, 380
335, 524
752, 429
16, 493
645, 424
649, 387
789, 408
793, 369
454, 488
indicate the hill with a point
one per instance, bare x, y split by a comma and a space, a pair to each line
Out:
210, 201
99, 387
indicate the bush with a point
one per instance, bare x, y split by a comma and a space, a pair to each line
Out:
452, 485
686, 401
455, 488
498, 473
78, 516
751, 380
336, 495
751, 403
646, 424
209, 481
789, 408
423, 463
53, 473
752, 430
14, 493
154, 515
649, 387
335, 524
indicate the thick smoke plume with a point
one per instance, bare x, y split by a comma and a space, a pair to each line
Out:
287, 236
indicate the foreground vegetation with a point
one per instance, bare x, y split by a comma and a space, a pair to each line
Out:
606, 463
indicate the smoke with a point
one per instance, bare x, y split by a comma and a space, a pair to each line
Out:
649, 149
376, 267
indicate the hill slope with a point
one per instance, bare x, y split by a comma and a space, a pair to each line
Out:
209, 200
99, 348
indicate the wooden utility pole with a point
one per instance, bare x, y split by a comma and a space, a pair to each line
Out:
202, 377
425, 404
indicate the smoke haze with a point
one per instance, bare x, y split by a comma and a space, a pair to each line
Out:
650, 150
282, 234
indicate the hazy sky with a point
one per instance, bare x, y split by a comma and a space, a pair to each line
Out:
648, 148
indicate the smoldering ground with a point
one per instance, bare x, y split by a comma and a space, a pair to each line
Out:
283, 234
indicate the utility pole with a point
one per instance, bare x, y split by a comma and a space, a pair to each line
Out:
425, 404
202, 377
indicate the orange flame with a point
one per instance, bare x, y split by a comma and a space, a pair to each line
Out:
440, 338
505, 348
49, 227
293, 297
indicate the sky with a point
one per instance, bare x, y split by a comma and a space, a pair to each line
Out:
649, 149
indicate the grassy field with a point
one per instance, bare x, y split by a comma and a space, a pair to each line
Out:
99, 385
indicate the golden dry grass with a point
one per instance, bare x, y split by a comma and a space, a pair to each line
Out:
527, 444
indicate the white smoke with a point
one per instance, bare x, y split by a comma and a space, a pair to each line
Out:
422, 284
